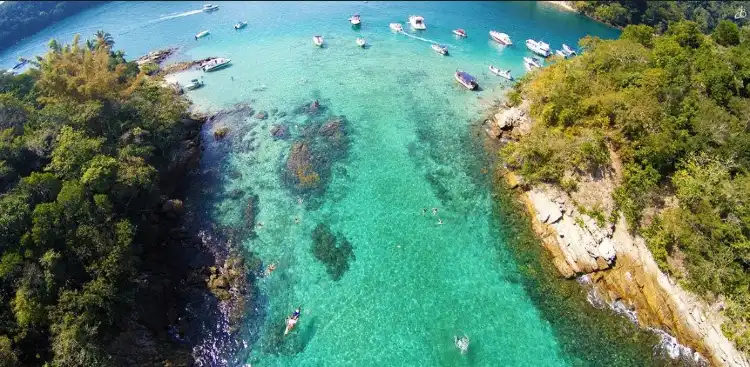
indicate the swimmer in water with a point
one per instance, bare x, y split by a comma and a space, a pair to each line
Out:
299, 201
434, 211
424, 211
270, 269
440, 221
296, 220
260, 224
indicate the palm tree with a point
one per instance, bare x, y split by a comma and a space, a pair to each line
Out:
90, 45
104, 39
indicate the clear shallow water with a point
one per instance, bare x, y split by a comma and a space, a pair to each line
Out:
414, 284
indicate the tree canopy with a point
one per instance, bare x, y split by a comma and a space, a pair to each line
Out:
24, 18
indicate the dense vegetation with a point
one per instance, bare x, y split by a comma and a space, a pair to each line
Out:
658, 14
675, 109
86, 140
24, 18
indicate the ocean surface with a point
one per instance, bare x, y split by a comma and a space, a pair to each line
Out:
393, 136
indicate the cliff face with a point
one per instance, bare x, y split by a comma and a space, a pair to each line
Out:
619, 264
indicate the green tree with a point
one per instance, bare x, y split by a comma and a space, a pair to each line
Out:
727, 33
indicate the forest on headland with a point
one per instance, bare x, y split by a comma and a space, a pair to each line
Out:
658, 14
21, 19
672, 111
93, 159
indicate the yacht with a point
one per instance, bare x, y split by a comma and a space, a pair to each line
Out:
355, 19
240, 25
501, 38
561, 53
202, 34
361, 42
440, 49
531, 63
503, 73
194, 84
396, 27
210, 7
417, 22
568, 51
539, 48
318, 41
466, 80
459, 32
215, 64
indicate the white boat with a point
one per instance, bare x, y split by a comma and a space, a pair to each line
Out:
210, 7
417, 22
531, 63
561, 53
318, 41
215, 64
503, 73
396, 27
501, 38
240, 25
355, 19
440, 49
466, 80
569, 51
194, 84
539, 48
361, 42
202, 34
459, 32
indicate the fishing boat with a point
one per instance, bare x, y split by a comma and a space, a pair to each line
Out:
355, 19
240, 25
417, 22
539, 48
202, 34
440, 49
396, 27
215, 64
500, 38
210, 7
318, 41
194, 84
291, 321
361, 42
569, 51
503, 73
531, 63
459, 32
466, 80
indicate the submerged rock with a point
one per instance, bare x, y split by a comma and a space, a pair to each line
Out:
251, 211
335, 256
300, 167
262, 115
280, 131
221, 133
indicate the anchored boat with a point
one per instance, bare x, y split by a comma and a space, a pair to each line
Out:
202, 34
466, 80
503, 73
459, 32
539, 48
355, 19
396, 27
500, 38
361, 42
568, 51
210, 7
215, 64
417, 22
194, 84
318, 41
240, 25
531, 63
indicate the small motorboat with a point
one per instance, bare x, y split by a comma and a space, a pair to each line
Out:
459, 32
417, 22
318, 41
194, 84
561, 53
210, 7
355, 19
569, 51
503, 73
466, 80
539, 48
240, 25
500, 38
396, 27
292, 321
440, 49
215, 64
531, 63
361, 42
202, 34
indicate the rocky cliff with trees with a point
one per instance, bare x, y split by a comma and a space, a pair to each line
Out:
94, 266
24, 18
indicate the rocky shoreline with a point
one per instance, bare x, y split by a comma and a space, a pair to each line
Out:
621, 270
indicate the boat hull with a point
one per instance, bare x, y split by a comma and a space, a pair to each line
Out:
457, 33
216, 67
501, 40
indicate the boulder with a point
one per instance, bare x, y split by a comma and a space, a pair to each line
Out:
547, 211
262, 115
280, 131
173, 207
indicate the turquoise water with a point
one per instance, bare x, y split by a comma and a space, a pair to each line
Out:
406, 144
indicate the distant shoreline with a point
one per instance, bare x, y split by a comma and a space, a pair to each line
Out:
564, 5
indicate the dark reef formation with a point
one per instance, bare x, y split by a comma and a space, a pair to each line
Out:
336, 257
